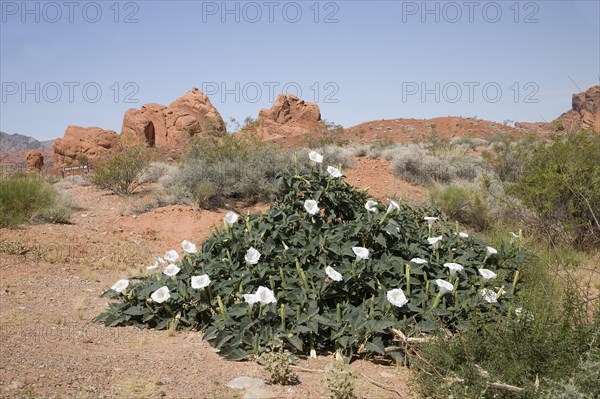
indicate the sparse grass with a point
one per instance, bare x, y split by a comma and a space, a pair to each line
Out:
136, 388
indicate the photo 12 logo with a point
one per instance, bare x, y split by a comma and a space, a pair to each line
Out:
53, 12
253, 12
70, 92
253, 92
454, 92
470, 11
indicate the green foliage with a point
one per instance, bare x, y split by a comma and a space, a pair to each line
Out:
23, 197
277, 367
339, 381
561, 182
233, 167
424, 168
313, 311
515, 349
584, 382
462, 203
123, 171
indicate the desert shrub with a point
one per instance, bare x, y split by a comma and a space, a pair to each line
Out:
334, 156
334, 279
583, 383
339, 381
561, 182
462, 202
124, 171
23, 197
234, 167
59, 211
276, 365
423, 168
325, 134
544, 342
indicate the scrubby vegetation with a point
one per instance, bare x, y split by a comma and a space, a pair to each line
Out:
124, 171
26, 198
235, 167
324, 270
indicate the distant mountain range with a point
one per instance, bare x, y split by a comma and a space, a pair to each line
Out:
18, 142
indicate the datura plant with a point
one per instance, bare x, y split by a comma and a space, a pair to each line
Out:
325, 269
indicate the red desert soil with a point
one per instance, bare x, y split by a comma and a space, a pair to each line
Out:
51, 278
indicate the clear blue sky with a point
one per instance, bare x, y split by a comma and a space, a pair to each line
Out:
372, 60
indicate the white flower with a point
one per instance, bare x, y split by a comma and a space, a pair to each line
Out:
161, 294
491, 251
454, 267
315, 157
120, 286
250, 299
393, 205
444, 286
332, 274
252, 256
265, 295
188, 247
155, 266
371, 206
311, 207
487, 274
361, 252
200, 281
520, 312
231, 217
396, 297
463, 235
172, 256
418, 261
434, 241
430, 219
313, 354
334, 172
171, 270
489, 295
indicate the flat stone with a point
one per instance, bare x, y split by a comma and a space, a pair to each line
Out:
258, 393
245, 383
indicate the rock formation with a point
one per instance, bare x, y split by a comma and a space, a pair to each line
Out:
158, 126
35, 161
289, 116
90, 142
585, 111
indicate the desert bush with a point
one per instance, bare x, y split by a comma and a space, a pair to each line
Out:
234, 167
334, 155
463, 202
339, 381
583, 382
544, 340
325, 134
276, 364
423, 168
124, 171
560, 181
23, 197
330, 275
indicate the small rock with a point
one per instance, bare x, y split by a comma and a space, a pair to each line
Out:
16, 385
245, 383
